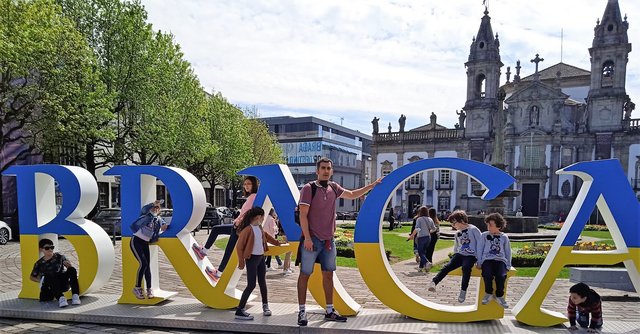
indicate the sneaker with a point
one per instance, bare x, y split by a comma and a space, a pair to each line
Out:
266, 311
432, 286
212, 273
201, 252
462, 296
487, 298
417, 258
428, 266
150, 294
243, 315
287, 272
302, 318
75, 300
334, 316
217, 273
62, 302
502, 302
138, 292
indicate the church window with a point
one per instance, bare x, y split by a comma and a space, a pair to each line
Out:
415, 179
445, 178
610, 27
567, 157
480, 86
533, 157
444, 203
607, 73
481, 45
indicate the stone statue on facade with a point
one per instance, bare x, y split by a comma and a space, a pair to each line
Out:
374, 122
628, 109
462, 116
433, 119
402, 121
389, 127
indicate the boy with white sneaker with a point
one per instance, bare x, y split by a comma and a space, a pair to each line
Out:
55, 274
465, 252
494, 258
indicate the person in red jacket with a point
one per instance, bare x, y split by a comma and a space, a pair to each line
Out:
582, 302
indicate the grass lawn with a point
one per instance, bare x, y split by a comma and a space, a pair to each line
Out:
597, 234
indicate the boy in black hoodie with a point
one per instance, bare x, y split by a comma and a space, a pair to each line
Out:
582, 301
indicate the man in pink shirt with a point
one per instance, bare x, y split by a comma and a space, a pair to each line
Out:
318, 223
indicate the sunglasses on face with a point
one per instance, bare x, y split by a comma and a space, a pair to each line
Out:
49, 247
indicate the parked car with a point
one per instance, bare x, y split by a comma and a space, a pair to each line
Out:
225, 214
5, 233
211, 218
166, 214
109, 220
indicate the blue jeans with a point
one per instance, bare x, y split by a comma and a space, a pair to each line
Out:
321, 252
491, 269
423, 243
457, 261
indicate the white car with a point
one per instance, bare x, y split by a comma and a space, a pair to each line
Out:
5, 233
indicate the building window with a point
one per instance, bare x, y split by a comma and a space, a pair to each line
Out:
445, 177
341, 202
103, 194
607, 73
533, 157
415, 180
567, 157
444, 203
480, 86
115, 195
219, 197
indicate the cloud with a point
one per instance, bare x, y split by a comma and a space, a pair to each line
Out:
360, 58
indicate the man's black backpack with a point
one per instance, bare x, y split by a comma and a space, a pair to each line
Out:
314, 188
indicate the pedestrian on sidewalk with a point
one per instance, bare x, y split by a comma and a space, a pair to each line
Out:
584, 301
146, 229
423, 230
270, 227
318, 224
465, 250
56, 275
433, 214
251, 246
494, 258
250, 188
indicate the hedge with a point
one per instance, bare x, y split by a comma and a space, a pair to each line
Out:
590, 227
349, 252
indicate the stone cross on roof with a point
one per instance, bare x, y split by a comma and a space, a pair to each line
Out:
537, 60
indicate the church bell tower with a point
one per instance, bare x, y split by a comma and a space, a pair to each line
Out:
483, 80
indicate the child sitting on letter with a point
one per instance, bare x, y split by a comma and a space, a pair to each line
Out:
465, 252
494, 258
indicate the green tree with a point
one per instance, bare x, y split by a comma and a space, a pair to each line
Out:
159, 103
265, 148
51, 95
231, 149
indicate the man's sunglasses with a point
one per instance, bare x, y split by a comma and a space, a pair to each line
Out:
49, 247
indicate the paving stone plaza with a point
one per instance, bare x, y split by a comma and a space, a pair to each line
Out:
100, 313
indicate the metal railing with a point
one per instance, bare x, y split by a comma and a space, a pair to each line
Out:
444, 185
531, 172
419, 136
635, 183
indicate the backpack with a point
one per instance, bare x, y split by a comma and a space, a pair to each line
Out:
314, 189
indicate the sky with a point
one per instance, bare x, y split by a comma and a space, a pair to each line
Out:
348, 61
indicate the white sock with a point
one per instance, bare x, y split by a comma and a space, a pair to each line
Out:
301, 308
329, 308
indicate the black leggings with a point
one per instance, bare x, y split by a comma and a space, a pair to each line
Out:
255, 269
432, 246
54, 285
216, 231
231, 244
140, 249
457, 261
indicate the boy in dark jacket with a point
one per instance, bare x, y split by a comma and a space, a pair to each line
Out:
56, 275
582, 301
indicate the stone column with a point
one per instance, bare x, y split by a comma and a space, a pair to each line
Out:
553, 177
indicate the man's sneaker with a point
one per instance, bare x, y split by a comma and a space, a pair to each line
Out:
287, 272
201, 252
243, 315
487, 298
334, 316
302, 318
428, 266
432, 286
212, 273
75, 300
150, 294
502, 302
62, 302
462, 296
138, 292
266, 311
